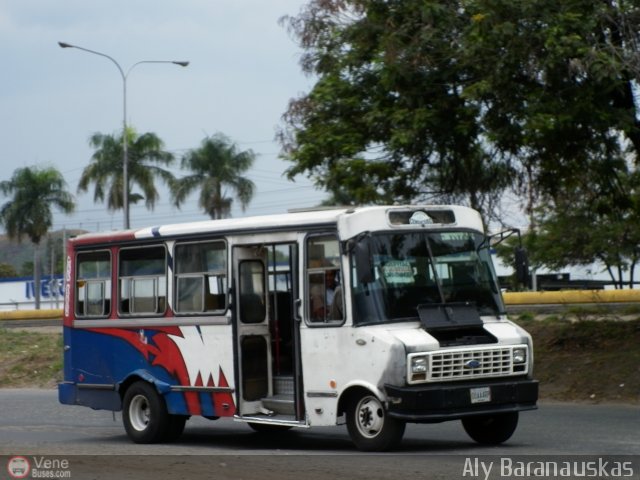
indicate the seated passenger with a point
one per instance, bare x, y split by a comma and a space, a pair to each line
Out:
322, 296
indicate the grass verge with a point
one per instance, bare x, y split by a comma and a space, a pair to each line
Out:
30, 359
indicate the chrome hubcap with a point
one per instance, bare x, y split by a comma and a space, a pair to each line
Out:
370, 417
139, 412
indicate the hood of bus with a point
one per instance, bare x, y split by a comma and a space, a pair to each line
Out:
415, 338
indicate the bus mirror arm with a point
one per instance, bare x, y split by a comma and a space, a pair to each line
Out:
296, 311
521, 258
501, 236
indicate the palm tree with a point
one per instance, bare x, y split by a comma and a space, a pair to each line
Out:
145, 154
34, 192
216, 166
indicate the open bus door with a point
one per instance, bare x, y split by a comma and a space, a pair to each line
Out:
253, 340
266, 335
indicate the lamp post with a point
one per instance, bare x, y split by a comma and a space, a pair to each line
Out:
125, 157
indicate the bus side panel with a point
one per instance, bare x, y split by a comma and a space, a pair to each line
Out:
335, 359
100, 360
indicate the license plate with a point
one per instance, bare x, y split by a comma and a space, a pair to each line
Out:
480, 394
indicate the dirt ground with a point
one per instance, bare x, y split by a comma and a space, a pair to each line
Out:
588, 360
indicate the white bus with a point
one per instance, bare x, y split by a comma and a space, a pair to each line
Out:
372, 316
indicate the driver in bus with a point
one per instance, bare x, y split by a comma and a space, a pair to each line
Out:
323, 296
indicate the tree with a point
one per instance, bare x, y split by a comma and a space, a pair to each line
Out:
27, 268
34, 191
597, 221
7, 270
559, 91
387, 119
419, 99
215, 166
146, 158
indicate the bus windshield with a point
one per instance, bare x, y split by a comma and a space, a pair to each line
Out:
415, 269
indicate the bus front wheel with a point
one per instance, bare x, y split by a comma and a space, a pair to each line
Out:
491, 429
369, 426
144, 414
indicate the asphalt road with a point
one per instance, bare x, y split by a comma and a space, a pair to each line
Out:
33, 424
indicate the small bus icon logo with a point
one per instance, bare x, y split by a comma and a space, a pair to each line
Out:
18, 467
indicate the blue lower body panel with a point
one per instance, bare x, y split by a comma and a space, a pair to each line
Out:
100, 363
96, 398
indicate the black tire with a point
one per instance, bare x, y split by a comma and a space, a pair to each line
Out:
491, 429
266, 428
144, 414
175, 427
369, 426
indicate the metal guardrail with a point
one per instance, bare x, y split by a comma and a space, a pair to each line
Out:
571, 297
48, 314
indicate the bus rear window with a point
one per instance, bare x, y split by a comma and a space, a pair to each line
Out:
93, 284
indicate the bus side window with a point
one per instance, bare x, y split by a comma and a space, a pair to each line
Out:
143, 280
93, 284
201, 277
325, 302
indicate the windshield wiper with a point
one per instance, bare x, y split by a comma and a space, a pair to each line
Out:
432, 262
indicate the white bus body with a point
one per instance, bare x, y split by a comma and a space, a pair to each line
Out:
372, 316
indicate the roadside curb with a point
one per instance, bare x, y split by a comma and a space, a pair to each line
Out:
569, 297
49, 314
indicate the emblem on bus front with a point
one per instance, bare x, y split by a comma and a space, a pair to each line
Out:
472, 364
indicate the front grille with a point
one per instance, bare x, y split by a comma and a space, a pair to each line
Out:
464, 364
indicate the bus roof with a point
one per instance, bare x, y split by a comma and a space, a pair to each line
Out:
350, 221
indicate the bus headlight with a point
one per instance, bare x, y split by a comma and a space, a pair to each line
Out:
419, 365
519, 356
418, 368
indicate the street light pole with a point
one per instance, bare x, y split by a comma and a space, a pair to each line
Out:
125, 143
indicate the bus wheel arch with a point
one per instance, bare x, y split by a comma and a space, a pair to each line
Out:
126, 383
142, 375
369, 425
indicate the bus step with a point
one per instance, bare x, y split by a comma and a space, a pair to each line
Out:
282, 385
282, 404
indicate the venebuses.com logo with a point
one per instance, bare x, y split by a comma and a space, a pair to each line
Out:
38, 467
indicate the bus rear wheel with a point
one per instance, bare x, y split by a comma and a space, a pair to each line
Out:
144, 414
491, 429
369, 426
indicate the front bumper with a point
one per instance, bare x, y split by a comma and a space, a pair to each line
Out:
452, 401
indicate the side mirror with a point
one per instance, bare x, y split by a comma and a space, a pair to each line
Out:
522, 266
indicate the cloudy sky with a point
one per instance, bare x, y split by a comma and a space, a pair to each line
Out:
243, 70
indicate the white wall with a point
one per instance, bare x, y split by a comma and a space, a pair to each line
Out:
18, 293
